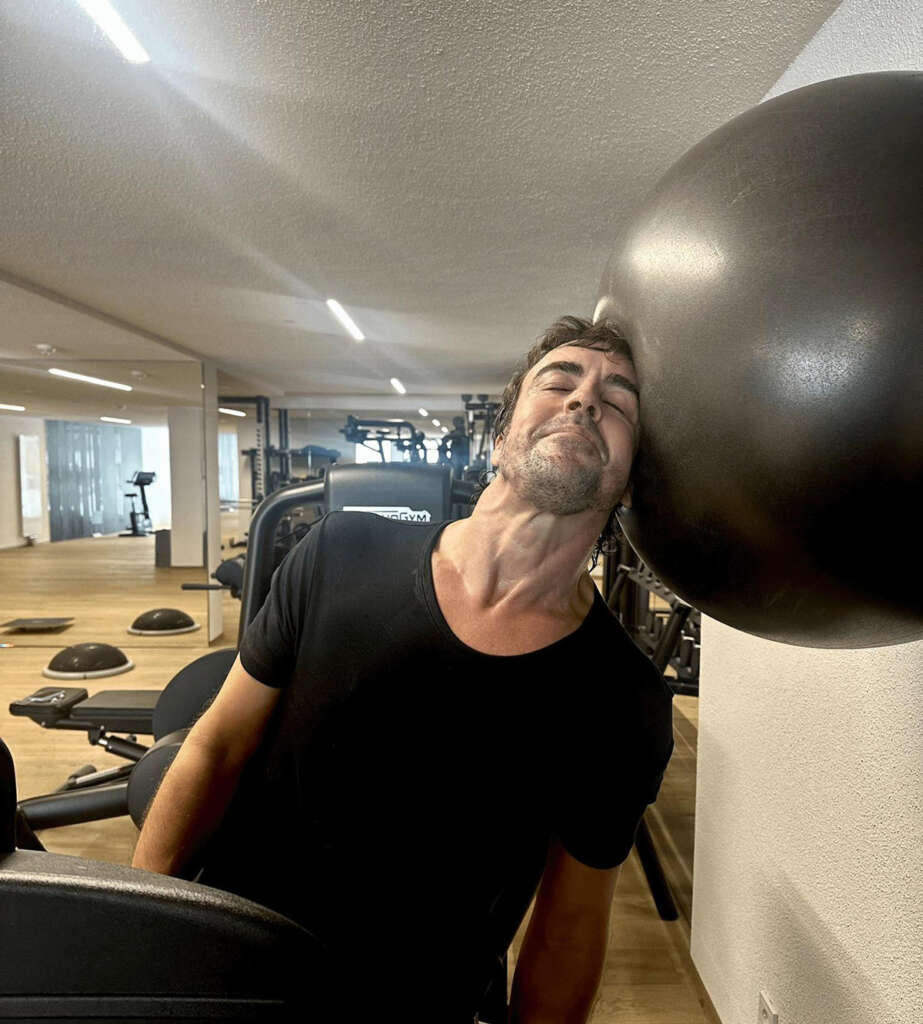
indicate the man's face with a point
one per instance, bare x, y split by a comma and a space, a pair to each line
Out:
571, 439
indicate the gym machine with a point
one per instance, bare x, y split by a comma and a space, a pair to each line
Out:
414, 492
271, 465
100, 942
141, 525
372, 434
669, 632
480, 414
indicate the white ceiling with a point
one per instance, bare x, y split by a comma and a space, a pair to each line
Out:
454, 173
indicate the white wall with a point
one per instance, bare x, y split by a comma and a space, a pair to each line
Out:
809, 810
10, 510
155, 457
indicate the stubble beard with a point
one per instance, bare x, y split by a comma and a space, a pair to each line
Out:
555, 484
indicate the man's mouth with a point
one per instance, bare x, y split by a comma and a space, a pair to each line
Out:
570, 428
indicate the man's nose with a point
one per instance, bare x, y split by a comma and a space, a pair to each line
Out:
583, 400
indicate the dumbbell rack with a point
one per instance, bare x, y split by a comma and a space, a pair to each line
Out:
670, 636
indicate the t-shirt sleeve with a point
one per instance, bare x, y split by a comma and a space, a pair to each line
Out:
614, 771
269, 647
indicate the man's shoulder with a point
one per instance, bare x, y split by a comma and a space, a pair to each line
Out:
347, 537
621, 659
352, 522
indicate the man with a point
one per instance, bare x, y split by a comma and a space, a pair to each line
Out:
424, 720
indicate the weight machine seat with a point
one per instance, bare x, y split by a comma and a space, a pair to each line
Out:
98, 942
119, 710
145, 947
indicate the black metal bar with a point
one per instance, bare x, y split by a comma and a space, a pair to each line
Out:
656, 881
123, 748
671, 634
59, 809
258, 568
96, 778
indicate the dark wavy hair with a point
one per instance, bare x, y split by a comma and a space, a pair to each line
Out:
568, 330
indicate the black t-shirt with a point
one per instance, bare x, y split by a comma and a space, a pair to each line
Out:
403, 800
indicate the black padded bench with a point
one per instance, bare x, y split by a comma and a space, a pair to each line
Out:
69, 707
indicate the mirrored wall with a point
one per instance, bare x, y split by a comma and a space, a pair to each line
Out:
102, 501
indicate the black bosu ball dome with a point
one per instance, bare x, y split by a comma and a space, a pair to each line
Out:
163, 622
88, 661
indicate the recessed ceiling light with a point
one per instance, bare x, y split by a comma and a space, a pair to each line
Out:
113, 419
445, 430
91, 380
46, 349
345, 319
436, 423
13, 408
398, 386
422, 412
231, 412
110, 21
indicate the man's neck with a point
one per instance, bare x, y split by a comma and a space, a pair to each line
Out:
509, 554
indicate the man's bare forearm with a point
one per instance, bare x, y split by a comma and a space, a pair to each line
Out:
555, 984
188, 807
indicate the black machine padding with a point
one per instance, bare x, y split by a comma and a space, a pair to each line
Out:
119, 710
49, 704
416, 493
190, 691
7, 800
106, 942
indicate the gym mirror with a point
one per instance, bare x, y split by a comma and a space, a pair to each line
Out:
102, 499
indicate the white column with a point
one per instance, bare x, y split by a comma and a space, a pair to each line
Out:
187, 480
212, 509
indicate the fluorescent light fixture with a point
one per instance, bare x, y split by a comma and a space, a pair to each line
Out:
231, 412
110, 21
398, 386
91, 380
345, 319
422, 412
113, 419
13, 408
445, 430
436, 423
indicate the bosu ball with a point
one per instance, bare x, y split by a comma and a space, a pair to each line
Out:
88, 661
163, 622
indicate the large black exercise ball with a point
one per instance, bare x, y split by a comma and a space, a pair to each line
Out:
772, 289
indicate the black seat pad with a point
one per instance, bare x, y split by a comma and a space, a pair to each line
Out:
119, 710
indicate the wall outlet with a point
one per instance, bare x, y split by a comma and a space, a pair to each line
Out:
767, 1014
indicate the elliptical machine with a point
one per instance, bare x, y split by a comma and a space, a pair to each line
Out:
141, 525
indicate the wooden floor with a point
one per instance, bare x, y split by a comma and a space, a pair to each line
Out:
105, 582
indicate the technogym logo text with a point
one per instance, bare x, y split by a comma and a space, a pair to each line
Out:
403, 512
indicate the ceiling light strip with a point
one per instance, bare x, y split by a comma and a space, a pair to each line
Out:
398, 386
345, 319
120, 35
13, 408
90, 380
113, 419
231, 412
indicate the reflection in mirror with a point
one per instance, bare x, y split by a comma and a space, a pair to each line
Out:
102, 519
98, 457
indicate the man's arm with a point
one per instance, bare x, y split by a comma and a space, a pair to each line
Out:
564, 952
197, 788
